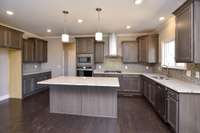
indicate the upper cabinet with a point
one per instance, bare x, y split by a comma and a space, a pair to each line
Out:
85, 45
188, 32
148, 48
130, 52
34, 50
10, 38
99, 52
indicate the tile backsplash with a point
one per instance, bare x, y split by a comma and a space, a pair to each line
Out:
117, 64
181, 74
32, 67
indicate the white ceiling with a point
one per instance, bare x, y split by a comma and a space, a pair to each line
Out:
37, 15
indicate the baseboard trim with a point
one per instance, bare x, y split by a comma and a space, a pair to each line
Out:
2, 98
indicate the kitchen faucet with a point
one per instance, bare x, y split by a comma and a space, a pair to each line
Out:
167, 70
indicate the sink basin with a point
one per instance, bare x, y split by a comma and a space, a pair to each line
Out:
160, 77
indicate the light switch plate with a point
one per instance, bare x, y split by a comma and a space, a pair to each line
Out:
197, 75
99, 66
147, 67
188, 73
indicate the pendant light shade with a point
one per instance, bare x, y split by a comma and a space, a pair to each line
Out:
98, 35
65, 38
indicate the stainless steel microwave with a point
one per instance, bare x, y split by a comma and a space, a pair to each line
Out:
85, 60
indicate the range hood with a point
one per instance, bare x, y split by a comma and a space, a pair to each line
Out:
113, 45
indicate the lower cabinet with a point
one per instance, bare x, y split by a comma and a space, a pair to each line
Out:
173, 109
30, 85
129, 83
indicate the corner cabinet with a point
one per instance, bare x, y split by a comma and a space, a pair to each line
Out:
10, 38
188, 32
148, 48
130, 52
34, 50
99, 52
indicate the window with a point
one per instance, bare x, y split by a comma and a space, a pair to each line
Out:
168, 56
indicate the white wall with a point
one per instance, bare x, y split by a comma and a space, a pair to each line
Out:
4, 74
55, 57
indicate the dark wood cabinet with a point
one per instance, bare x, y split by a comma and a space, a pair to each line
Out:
3, 36
130, 52
85, 45
187, 38
99, 52
30, 85
148, 48
10, 38
173, 110
34, 50
28, 50
130, 83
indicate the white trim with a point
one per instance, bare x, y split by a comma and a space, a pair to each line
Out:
4, 97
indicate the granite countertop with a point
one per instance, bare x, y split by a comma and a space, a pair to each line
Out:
35, 72
83, 81
171, 83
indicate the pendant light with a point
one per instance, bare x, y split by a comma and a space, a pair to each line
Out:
98, 34
65, 36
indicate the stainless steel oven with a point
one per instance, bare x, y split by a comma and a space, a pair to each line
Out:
84, 71
85, 60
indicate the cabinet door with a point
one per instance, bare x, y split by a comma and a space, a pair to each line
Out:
28, 50
99, 52
130, 83
142, 49
172, 113
45, 51
39, 50
85, 45
14, 39
3, 36
152, 49
184, 33
28, 85
130, 52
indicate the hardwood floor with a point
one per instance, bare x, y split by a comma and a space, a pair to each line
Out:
32, 116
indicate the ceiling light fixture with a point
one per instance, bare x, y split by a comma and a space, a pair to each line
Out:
80, 21
128, 27
161, 18
98, 34
49, 30
10, 13
65, 36
138, 2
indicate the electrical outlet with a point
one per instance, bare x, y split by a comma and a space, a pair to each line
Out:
126, 67
147, 67
197, 75
35, 66
100, 67
188, 73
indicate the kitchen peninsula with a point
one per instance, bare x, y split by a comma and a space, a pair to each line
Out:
87, 96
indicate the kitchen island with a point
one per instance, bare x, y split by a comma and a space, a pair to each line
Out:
87, 96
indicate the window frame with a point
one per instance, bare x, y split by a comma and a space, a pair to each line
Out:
163, 65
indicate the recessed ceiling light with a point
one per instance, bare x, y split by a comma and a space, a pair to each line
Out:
128, 27
49, 30
80, 21
162, 18
9, 12
138, 2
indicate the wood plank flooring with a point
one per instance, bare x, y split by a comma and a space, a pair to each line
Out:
32, 115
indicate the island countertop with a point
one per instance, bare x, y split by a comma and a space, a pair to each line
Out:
83, 81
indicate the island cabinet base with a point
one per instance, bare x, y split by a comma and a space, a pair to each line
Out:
84, 100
